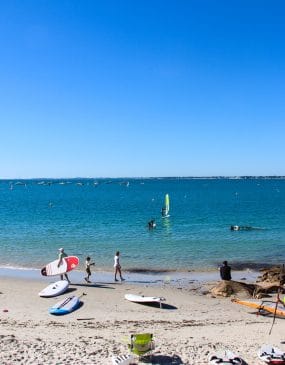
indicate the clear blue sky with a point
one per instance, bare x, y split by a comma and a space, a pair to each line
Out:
142, 88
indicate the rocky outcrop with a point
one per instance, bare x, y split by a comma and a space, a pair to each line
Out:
273, 275
267, 283
228, 288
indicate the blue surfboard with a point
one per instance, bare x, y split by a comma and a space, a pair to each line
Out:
65, 306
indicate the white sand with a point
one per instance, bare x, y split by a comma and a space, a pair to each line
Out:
190, 328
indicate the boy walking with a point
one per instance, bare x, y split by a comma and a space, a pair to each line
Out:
88, 263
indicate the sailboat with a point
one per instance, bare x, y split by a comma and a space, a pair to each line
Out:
165, 208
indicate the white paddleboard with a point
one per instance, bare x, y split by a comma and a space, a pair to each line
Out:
225, 357
142, 299
67, 264
271, 355
54, 289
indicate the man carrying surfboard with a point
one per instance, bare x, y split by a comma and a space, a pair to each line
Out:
61, 255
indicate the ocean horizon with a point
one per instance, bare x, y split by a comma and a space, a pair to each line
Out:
98, 216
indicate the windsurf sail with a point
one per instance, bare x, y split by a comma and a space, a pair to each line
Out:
266, 306
165, 209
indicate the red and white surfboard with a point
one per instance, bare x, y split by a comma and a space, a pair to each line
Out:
68, 263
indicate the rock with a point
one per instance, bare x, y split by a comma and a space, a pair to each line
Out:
272, 275
226, 288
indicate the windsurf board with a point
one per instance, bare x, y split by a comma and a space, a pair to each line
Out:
67, 264
54, 289
264, 306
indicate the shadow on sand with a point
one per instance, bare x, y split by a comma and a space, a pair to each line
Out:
94, 285
157, 305
166, 360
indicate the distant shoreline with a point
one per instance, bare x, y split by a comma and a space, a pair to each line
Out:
225, 177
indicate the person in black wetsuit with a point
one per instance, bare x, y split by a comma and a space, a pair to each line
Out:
225, 271
151, 224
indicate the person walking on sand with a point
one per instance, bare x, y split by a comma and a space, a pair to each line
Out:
61, 255
88, 263
117, 266
225, 271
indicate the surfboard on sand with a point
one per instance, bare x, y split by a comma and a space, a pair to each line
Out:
67, 264
65, 306
271, 355
225, 357
142, 299
54, 289
263, 306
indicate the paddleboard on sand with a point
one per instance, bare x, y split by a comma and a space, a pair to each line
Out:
65, 306
225, 357
54, 289
67, 264
271, 355
143, 299
263, 306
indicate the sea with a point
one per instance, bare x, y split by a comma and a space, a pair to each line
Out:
97, 217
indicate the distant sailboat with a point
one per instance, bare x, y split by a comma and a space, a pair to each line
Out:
165, 209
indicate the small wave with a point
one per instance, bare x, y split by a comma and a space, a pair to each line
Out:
17, 268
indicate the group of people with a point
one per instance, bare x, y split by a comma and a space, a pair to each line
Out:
88, 264
225, 269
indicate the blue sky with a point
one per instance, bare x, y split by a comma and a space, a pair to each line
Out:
141, 88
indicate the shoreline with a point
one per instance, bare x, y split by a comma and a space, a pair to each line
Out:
175, 278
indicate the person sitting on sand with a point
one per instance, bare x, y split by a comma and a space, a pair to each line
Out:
117, 266
225, 271
61, 255
88, 269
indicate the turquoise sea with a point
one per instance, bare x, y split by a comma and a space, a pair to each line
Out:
97, 217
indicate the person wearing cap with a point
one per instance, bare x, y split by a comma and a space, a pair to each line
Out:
61, 255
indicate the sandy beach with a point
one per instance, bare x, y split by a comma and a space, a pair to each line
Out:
189, 327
